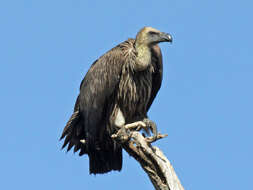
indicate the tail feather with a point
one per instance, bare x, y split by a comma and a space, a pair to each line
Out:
77, 147
104, 154
82, 152
105, 161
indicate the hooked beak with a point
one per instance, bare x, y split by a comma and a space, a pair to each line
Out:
165, 37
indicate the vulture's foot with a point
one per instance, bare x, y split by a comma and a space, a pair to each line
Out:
136, 125
147, 125
122, 135
152, 126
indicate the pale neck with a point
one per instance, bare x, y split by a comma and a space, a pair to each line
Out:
143, 59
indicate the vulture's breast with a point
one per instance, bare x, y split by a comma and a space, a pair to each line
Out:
134, 93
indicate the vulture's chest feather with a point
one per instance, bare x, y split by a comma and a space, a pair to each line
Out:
134, 93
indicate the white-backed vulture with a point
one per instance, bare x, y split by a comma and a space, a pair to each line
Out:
118, 89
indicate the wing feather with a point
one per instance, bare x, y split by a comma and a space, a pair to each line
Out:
157, 74
97, 90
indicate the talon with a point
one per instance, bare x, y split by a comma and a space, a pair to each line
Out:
152, 127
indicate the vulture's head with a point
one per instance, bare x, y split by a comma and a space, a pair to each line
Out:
149, 36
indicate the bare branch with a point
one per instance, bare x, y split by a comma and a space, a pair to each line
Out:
151, 159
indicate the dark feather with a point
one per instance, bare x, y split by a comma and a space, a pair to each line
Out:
67, 139
71, 144
77, 147
82, 152
157, 74
70, 124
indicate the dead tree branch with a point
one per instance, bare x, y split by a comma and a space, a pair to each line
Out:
151, 159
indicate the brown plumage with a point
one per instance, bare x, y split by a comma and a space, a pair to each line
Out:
118, 89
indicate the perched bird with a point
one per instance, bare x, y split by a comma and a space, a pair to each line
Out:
118, 89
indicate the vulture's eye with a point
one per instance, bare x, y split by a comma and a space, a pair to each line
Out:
152, 33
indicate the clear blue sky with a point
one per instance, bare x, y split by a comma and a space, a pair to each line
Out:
205, 104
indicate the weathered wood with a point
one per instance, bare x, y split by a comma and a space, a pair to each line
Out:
151, 159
